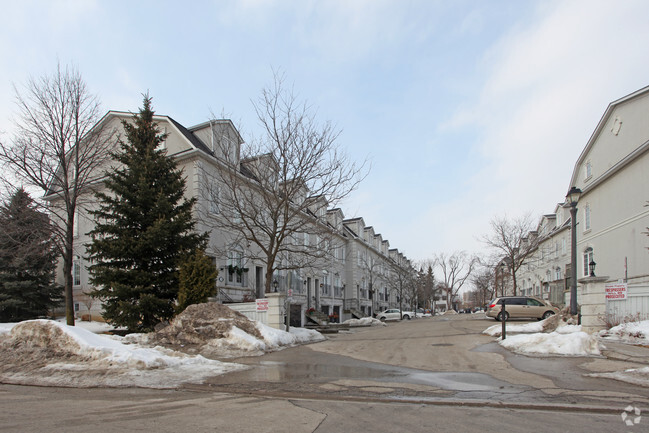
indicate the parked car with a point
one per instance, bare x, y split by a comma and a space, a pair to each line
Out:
423, 313
521, 307
394, 314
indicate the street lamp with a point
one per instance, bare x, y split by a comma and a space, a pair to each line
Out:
572, 198
275, 284
591, 267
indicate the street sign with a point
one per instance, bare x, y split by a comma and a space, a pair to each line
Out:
262, 304
616, 291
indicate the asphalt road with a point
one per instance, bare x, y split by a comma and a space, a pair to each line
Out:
438, 374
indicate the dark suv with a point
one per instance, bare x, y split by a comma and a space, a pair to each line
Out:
521, 307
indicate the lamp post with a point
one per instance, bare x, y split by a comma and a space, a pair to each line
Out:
275, 284
572, 198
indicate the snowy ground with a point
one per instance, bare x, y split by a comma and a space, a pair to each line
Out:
564, 339
45, 352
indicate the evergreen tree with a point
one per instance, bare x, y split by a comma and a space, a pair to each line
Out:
27, 261
144, 228
197, 279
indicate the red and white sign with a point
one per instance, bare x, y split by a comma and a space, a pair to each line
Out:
262, 304
616, 291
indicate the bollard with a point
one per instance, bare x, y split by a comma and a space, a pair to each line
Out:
503, 319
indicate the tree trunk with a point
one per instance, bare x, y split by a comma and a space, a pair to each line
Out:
67, 278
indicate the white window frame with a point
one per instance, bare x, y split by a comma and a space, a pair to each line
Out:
235, 258
588, 257
587, 217
76, 271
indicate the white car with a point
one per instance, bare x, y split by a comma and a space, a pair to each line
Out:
394, 314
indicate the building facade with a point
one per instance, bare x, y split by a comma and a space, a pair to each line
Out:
352, 276
612, 217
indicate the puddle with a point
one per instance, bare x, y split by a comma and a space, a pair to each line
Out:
328, 368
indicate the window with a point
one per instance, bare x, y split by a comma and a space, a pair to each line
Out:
563, 246
214, 198
162, 130
557, 273
588, 170
235, 267
587, 217
325, 285
76, 272
75, 224
588, 257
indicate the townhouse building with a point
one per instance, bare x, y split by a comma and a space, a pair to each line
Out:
351, 276
612, 221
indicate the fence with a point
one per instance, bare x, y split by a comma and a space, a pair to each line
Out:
269, 311
634, 307
249, 309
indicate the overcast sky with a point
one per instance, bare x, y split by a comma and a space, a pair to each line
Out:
468, 110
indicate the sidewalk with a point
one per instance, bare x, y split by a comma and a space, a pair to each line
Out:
626, 352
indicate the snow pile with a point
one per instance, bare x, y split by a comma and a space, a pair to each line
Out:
564, 324
526, 328
365, 321
630, 332
554, 343
44, 352
556, 335
447, 312
214, 330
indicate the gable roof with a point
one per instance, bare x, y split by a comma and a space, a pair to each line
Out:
600, 127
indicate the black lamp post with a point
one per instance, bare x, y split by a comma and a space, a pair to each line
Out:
572, 198
591, 267
275, 284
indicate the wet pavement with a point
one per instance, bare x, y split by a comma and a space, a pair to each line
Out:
307, 372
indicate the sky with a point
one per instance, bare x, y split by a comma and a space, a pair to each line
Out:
467, 110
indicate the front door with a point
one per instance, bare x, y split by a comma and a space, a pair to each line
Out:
296, 315
259, 281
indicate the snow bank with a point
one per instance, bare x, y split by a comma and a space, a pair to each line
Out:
631, 332
554, 343
526, 328
556, 335
46, 352
365, 321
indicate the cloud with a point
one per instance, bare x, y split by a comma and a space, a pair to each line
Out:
546, 84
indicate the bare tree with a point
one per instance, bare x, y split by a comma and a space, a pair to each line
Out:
514, 241
58, 149
455, 271
371, 267
484, 283
402, 278
88, 300
274, 195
